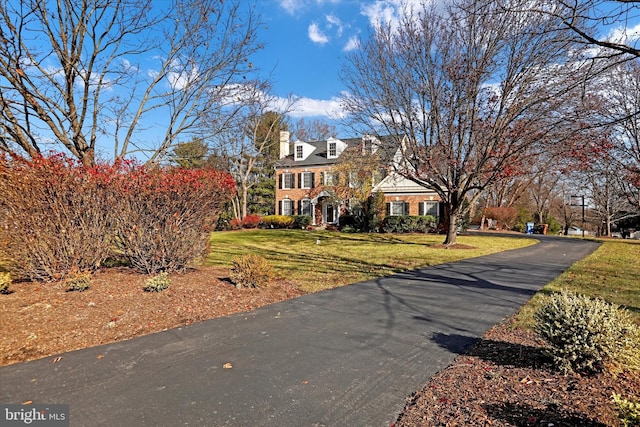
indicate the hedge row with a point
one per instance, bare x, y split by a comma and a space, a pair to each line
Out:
59, 217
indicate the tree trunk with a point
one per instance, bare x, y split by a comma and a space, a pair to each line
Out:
243, 208
452, 229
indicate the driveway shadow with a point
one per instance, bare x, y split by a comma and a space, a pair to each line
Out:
498, 352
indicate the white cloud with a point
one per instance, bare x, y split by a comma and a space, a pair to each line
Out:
334, 21
128, 67
389, 12
291, 6
308, 107
352, 44
316, 35
180, 80
625, 35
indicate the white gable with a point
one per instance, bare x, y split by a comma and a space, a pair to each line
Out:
302, 150
340, 146
395, 183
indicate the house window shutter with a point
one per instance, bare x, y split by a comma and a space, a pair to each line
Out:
313, 179
388, 208
280, 207
280, 181
421, 208
406, 209
300, 183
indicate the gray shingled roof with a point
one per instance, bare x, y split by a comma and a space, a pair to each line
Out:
319, 156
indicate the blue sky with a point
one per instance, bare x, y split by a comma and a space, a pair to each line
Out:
306, 43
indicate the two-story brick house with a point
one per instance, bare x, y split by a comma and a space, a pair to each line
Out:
305, 177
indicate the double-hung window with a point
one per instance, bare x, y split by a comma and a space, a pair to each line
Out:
286, 181
332, 150
286, 207
397, 208
429, 208
328, 178
299, 152
305, 180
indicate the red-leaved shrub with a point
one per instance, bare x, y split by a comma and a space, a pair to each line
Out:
54, 215
506, 217
164, 215
251, 221
58, 216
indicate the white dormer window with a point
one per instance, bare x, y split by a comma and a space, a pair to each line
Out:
335, 147
302, 150
332, 151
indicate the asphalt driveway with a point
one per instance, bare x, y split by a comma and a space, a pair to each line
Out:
345, 357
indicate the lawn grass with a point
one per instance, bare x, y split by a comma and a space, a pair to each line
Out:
318, 260
612, 273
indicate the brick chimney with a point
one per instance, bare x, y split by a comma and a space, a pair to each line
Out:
284, 144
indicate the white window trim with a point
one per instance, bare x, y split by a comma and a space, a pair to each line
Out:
303, 176
396, 203
284, 181
287, 207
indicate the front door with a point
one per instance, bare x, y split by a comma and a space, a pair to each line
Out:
328, 212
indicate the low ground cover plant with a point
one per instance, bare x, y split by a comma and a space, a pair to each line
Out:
628, 410
157, 283
78, 281
5, 282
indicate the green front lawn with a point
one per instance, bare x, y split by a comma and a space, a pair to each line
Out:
612, 273
318, 260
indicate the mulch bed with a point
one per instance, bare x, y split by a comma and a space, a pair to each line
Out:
506, 380
43, 319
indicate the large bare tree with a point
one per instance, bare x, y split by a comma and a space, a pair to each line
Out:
251, 139
467, 92
137, 74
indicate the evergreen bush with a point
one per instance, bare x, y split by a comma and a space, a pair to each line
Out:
586, 334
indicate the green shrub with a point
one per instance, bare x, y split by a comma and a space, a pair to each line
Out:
586, 334
5, 282
157, 283
301, 221
628, 410
409, 224
276, 221
78, 281
251, 271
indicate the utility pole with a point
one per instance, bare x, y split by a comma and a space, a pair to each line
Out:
581, 204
